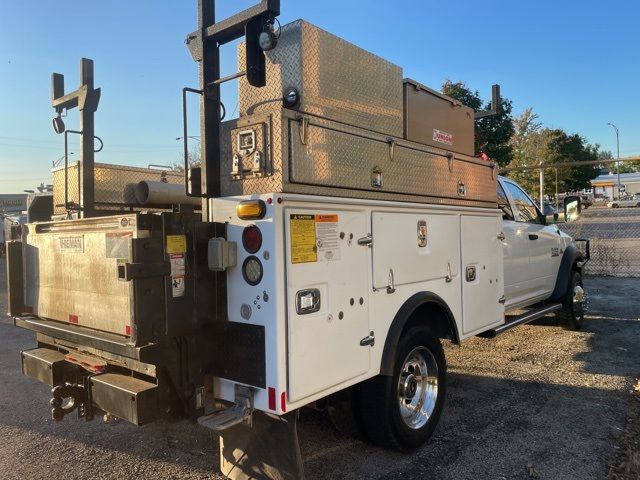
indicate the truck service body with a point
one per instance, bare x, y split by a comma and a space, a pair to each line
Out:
346, 227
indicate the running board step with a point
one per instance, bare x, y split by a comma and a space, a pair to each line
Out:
526, 317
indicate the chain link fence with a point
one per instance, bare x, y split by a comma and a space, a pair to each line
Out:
615, 239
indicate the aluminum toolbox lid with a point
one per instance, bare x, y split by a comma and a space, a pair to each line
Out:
435, 119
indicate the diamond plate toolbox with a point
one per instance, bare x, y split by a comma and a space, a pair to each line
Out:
335, 79
306, 154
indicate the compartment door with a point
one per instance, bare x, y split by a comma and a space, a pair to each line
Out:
482, 273
414, 247
323, 255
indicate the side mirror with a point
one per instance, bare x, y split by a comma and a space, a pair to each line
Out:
572, 208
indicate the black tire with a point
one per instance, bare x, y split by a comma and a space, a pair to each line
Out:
571, 317
379, 399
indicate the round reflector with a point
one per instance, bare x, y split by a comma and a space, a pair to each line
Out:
252, 239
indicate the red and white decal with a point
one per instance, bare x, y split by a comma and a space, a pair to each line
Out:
442, 137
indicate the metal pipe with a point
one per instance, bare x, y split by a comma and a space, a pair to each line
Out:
163, 194
228, 78
185, 135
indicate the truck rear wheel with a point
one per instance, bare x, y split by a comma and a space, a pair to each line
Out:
403, 410
571, 316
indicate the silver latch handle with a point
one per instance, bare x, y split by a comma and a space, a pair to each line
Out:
369, 340
501, 236
365, 241
448, 278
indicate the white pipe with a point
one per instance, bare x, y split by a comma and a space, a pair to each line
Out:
160, 194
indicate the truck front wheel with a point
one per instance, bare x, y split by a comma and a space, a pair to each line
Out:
402, 411
571, 316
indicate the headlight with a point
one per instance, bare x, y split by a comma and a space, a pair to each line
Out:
252, 270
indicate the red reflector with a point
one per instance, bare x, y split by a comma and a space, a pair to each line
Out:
272, 398
127, 330
73, 318
28, 309
283, 402
252, 239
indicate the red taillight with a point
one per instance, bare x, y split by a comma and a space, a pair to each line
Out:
252, 239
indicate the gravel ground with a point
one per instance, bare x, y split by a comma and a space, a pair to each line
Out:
537, 402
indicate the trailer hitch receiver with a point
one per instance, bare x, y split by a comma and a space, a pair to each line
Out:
77, 399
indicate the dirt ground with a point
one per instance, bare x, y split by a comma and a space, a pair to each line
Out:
536, 402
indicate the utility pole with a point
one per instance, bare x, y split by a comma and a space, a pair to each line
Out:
618, 157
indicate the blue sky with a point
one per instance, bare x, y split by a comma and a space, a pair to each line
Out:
577, 63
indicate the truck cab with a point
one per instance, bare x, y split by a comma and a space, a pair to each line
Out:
534, 248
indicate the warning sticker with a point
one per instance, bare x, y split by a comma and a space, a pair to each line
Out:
177, 264
303, 238
177, 286
314, 237
176, 244
328, 237
117, 244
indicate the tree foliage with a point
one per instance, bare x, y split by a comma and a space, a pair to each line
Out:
492, 134
532, 144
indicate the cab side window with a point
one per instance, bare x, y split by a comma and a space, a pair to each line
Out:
503, 204
526, 208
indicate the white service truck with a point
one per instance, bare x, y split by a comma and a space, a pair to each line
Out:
346, 229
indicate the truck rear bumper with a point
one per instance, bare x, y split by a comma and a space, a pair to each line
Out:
123, 396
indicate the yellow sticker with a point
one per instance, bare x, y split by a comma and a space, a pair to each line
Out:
176, 244
303, 239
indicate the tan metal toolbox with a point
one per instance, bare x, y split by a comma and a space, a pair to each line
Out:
435, 119
335, 79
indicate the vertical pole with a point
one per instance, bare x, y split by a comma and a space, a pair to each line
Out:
557, 204
87, 127
541, 188
618, 163
209, 107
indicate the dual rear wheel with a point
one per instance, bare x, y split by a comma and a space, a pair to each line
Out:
402, 411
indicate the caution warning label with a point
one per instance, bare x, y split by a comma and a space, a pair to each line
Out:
303, 238
314, 237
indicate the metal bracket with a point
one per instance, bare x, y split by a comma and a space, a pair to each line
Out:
304, 126
240, 412
501, 236
451, 158
130, 271
392, 148
448, 278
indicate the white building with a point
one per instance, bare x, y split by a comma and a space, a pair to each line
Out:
607, 185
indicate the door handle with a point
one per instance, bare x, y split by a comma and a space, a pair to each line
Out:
533, 236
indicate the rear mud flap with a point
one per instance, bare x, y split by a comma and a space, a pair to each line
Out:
268, 450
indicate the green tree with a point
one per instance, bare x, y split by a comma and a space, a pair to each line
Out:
492, 134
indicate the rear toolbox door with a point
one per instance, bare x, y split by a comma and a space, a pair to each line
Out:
323, 253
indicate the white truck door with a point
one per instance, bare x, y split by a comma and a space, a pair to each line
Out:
326, 264
515, 248
414, 247
543, 242
482, 273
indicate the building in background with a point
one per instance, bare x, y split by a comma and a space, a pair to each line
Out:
13, 202
607, 185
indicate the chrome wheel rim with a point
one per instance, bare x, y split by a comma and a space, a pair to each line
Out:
579, 297
418, 387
